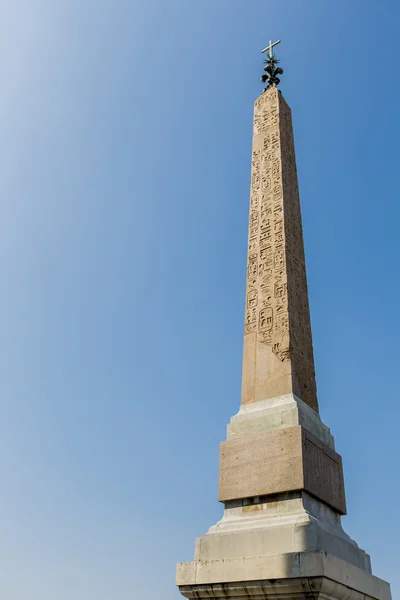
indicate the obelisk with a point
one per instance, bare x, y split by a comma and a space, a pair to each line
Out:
281, 480
278, 355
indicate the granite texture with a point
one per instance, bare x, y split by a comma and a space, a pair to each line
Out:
279, 461
278, 353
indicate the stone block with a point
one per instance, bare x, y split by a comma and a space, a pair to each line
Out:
277, 413
280, 461
305, 575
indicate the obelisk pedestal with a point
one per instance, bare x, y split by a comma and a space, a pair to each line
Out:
281, 480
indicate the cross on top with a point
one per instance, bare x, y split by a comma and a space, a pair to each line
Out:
271, 45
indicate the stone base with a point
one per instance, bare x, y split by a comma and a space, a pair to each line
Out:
307, 575
281, 460
279, 546
305, 588
278, 413
286, 523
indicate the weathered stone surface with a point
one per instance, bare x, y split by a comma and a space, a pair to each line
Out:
258, 578
303, 588
263, 464
323, 472
278, 354
279, 461
278, 413
284, 523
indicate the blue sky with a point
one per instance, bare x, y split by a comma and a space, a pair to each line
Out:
125, 163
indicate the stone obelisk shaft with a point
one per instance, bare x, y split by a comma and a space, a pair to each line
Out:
278, 354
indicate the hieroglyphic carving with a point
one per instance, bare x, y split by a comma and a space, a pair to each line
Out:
277, 298
299, 312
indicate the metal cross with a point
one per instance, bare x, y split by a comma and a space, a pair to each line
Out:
271, 45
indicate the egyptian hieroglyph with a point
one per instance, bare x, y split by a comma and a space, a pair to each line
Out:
278, 352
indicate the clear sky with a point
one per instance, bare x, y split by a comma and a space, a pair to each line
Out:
124, 184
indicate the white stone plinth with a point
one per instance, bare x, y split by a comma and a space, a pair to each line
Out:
293, 522
306, 575
278, 413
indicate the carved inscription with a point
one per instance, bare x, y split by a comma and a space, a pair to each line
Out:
266, 233
276, 297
